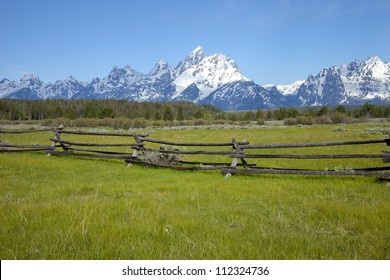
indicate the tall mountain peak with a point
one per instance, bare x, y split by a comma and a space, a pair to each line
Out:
204, 74
376, 68
193, 58
30, 77
162, 70
197, 54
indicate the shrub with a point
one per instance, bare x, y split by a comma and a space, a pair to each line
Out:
167, 158
338, 117
305, 120
260, 121
139, 123
290, 121
158, 123
121, 123
323, 120
200, 122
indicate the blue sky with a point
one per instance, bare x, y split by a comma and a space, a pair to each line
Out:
272, 41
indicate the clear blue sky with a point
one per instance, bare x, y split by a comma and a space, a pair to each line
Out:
272, 41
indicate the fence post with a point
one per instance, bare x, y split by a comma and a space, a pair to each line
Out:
139, 143
235, 160
57, 136
238, 150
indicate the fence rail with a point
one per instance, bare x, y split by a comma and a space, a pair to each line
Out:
24, 131
135, 149
318, 144
13, 148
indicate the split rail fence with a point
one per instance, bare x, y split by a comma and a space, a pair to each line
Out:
229, 157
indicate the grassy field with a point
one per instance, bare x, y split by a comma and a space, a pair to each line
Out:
73, 208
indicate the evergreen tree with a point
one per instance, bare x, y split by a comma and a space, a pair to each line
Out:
157, 116
323, 111
168, 115
259, 114
148, 115
199, 114
180, 116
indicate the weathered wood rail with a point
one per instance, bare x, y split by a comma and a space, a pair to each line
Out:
228, 157
12, 148
71, 148
380, 171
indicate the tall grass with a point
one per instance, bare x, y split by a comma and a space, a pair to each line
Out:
73, 208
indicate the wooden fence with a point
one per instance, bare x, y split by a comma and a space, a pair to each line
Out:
11, 148
385, 155
228, 157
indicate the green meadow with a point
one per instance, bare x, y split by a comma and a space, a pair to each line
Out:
62, 207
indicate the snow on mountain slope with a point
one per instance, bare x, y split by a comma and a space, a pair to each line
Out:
209, 73
161, 70
29, 87
290, 89
351, 83
242, 95
192, 59
7, 87
67, 88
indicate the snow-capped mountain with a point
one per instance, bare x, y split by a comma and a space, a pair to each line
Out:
66, 88
193, 79
203, 75
216, 80
352, 83
242, 95
291, 89
29, 87
191, 60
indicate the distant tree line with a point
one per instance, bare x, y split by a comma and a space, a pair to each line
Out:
11, 109
125, 113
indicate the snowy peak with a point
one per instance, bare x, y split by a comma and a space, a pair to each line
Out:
70, 82
351, 83
161, 70
218, 70
372, 68
66, 88
122, 76
204, 74
377, 69
30, 79
290, 89
194, 58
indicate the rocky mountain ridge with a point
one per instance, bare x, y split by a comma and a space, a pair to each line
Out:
217, 80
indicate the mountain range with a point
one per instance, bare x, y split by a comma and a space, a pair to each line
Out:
217, 80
